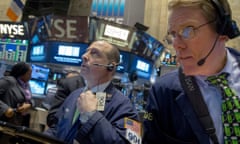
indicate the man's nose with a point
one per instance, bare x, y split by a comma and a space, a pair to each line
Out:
178, 42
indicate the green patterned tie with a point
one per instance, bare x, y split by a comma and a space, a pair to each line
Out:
230, 109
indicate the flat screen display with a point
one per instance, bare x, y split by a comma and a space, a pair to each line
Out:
40, 72
13, 49
117, 34
50, 85
66, 53
38, 53
37, 87
147, 46
142, 66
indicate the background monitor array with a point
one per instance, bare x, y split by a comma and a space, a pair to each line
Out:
126, 38
130, 62
58, 53
43, 78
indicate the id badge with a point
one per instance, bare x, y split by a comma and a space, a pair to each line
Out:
101, 97
133, 131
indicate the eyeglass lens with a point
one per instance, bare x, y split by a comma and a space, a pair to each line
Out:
185, 33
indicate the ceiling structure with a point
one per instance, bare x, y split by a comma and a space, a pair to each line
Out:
45, 7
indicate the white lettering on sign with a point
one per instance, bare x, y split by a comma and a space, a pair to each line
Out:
71, 25
12, 29
115, 19
68, 31
116, 32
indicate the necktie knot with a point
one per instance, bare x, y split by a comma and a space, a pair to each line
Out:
218, 79
222, 82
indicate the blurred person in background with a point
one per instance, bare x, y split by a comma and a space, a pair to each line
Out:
15, 95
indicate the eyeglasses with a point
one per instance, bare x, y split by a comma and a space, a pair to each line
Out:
186, 33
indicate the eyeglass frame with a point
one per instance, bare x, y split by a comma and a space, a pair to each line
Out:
181, 32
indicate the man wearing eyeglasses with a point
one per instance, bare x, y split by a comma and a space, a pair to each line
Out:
198, 31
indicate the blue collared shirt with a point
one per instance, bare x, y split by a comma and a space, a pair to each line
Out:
212, 95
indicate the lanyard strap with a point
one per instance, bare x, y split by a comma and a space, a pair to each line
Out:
195, 96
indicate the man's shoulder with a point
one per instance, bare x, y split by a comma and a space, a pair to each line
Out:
8, 79
169, 77
234, 51
168, 81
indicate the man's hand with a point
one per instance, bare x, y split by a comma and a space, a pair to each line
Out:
24, 107
87, 102
9, 113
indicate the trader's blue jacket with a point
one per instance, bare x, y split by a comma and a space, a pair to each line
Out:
170, 117
105, 127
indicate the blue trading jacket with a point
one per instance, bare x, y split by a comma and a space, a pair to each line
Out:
170, 117
105, 127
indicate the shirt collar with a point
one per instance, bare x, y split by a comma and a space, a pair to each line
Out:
228, 68
229, 64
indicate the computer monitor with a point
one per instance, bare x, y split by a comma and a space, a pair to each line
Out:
117, 34
147, 46
40, 72
142, 66
50, 85
38, 53
66, 53
37, 87
13, 49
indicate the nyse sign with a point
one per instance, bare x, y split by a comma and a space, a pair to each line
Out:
69, 29
12, 30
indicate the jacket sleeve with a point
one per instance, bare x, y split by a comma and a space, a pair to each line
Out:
3, 88
102, 128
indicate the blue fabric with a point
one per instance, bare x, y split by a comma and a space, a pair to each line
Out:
103, 127
170, 118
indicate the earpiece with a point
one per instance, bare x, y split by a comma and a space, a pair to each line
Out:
110, 67
225, 24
